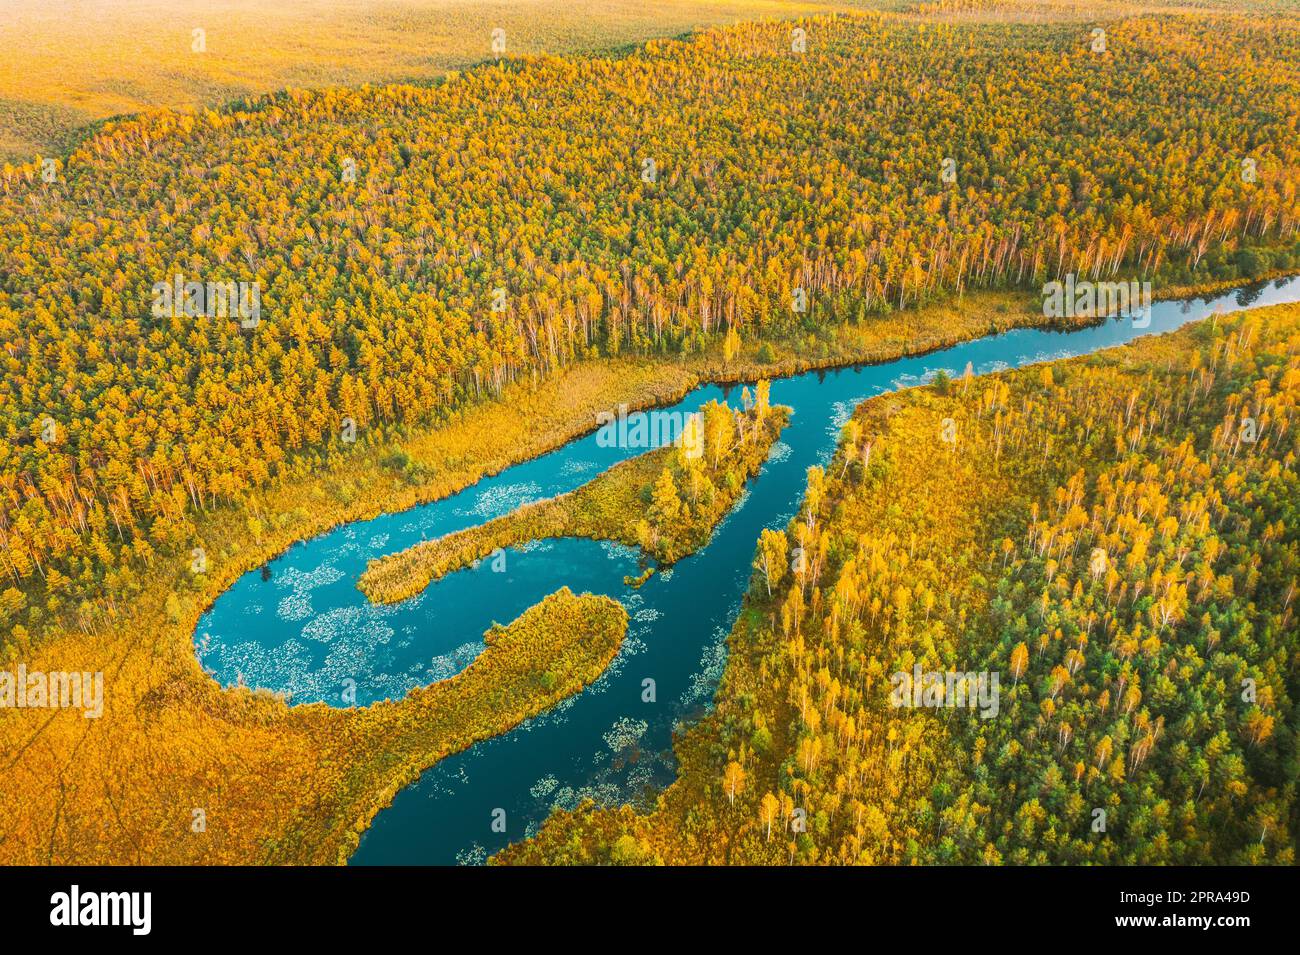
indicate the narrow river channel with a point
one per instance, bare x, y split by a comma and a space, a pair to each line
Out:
308, 630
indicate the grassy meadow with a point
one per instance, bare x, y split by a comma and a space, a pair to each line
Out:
66, 65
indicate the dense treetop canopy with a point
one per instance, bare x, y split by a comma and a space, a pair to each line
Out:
412, 248
1114, 536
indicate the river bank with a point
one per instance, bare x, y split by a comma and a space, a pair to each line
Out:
226, 750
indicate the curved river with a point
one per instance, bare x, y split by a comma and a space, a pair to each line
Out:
309, 631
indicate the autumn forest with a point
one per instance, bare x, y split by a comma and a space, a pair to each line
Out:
704, 358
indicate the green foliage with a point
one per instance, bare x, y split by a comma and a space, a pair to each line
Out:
1119, 540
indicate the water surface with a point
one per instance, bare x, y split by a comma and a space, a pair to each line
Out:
309, 631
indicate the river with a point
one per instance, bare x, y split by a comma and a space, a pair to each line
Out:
307, 630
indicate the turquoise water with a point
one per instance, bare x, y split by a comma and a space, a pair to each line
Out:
309, 631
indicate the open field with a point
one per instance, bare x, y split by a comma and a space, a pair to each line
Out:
68, 64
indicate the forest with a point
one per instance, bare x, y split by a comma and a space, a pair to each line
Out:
418, 248
457, 274
1114, 535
